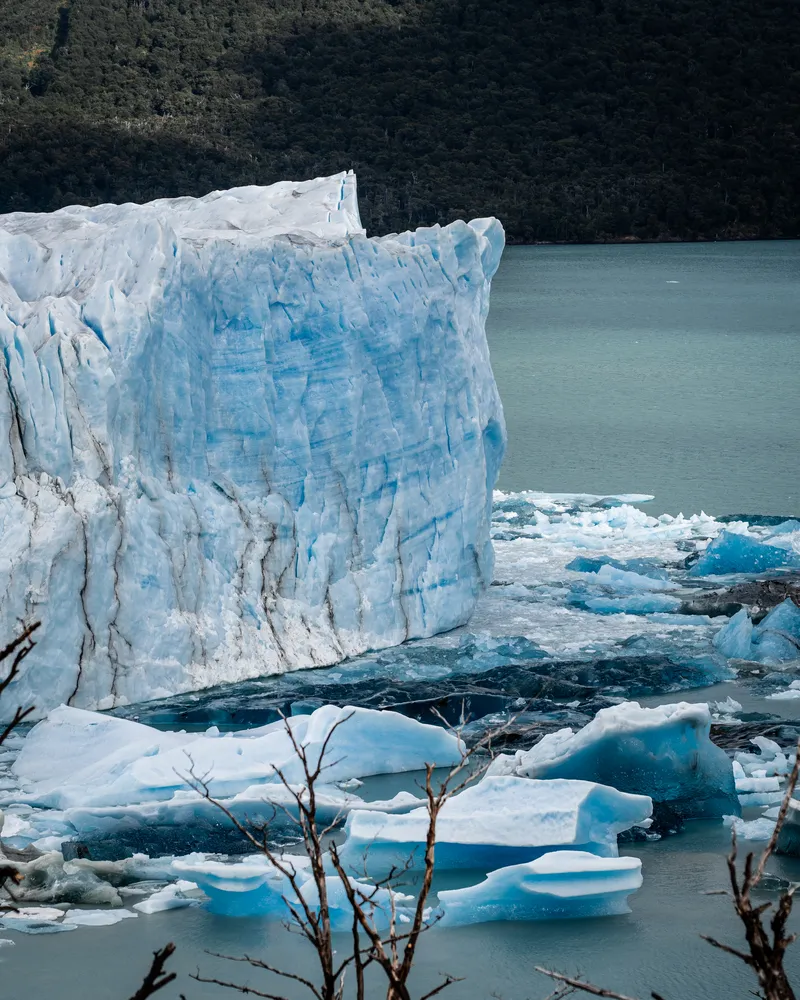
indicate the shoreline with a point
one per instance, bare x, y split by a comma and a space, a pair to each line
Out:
649, 241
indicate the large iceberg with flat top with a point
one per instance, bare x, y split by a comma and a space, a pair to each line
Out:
501, 820
241, 437
76, 759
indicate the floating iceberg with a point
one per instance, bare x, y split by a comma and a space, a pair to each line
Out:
35, 920
662, 752
242, 437
81, 760
253, 886
638, 604
97, 778
735, 638
625, 581
776, 639
769, 761
789, 837
759, 829
96, 918
558, 884
498, 821
732, 552
171, 897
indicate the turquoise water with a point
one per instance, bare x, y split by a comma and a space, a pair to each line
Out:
670, 369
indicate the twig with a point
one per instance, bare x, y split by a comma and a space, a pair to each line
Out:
156, 978
580, 984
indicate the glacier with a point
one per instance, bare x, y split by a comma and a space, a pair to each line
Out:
239, 437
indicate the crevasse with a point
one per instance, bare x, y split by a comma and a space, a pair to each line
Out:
238, 437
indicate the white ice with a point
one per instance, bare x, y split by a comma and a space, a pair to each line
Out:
80, 760
770, 760
96, 918
171, 897
498, 821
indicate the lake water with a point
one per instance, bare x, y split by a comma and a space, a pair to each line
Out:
670, 369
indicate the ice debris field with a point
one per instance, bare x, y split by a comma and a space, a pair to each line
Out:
245, 439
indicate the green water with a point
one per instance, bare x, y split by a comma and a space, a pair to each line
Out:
666, 369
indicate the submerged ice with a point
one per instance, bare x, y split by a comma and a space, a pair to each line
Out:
242, 437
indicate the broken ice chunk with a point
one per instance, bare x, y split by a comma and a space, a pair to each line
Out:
558, 884
501, 820
664, 752
732, 552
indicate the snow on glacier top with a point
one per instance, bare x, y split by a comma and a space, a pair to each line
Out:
325, 208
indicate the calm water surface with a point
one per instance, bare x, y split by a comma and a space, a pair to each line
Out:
668, 369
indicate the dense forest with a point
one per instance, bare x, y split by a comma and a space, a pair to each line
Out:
575, 120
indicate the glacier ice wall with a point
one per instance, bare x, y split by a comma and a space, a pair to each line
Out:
238, 437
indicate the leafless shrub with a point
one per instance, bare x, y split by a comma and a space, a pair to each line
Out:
16, 650
19, 648
156, 978
392, 951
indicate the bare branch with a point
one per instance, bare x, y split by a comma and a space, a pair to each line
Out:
236, 986
726, 947
449, 980
19, 648
580, 984
258, 964
787, 798
156, 978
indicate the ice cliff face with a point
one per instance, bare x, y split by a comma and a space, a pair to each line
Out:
237, 437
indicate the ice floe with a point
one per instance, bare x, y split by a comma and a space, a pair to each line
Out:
663, 752
500, 820
558, 884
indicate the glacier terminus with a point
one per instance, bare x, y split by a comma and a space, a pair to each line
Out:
239, 437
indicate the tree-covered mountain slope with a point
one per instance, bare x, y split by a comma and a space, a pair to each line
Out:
578, 120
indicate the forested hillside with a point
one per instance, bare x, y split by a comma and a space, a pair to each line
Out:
568, 119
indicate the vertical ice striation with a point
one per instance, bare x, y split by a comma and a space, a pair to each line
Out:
238, 437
